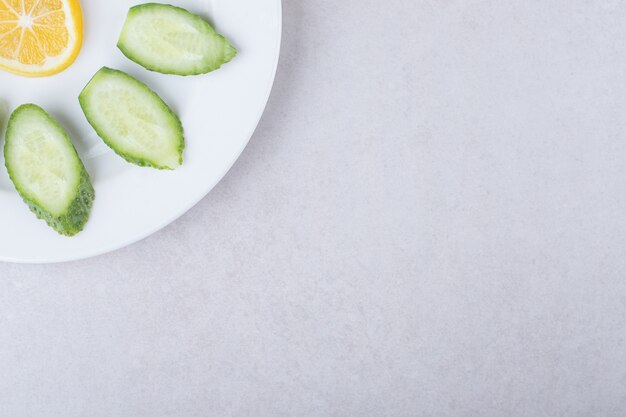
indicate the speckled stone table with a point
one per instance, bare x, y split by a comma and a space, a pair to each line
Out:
429, 221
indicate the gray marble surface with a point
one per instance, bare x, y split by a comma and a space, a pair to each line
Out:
429, 221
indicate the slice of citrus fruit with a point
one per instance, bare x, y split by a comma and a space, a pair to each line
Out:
39, 37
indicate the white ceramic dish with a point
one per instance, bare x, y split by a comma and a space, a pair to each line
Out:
219, 111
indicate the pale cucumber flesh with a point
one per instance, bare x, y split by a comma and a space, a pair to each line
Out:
133, 120
172, 40
46, 170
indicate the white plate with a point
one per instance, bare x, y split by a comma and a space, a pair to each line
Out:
219, 112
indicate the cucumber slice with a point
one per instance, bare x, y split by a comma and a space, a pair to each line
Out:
46, 170
171, 40
133, 120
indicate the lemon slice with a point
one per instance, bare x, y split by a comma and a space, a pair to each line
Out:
39, 37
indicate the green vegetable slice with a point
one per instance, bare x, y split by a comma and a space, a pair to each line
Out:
133, 120
46, 170
172, 40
